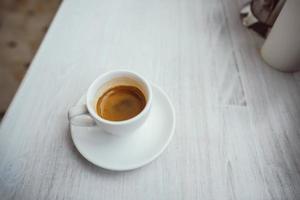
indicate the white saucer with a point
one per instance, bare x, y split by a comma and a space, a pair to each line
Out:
134, 150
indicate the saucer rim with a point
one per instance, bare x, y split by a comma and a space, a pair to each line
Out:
134, 166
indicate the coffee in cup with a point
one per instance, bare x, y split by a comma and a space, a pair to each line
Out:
121, 103
117, 101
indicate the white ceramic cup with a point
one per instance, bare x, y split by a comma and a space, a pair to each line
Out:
78, 114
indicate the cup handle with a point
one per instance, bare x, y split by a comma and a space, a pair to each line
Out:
79, 116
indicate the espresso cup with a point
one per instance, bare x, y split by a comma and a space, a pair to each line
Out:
77, 114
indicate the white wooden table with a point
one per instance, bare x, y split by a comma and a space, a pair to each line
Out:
238, 120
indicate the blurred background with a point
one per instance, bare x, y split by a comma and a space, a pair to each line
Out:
23, 24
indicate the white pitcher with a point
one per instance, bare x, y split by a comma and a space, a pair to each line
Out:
281, 49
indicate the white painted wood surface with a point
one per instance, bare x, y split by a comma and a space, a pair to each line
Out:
238, 120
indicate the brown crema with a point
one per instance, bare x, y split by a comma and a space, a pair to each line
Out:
121, 103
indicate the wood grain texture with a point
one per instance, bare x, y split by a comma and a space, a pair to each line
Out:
237, 131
